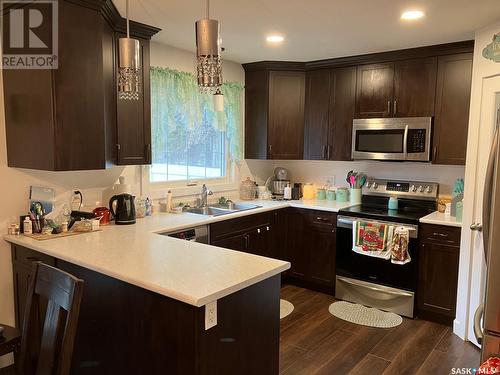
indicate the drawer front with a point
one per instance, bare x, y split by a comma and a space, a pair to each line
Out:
319, 218
26, 256
441, 234
242, 224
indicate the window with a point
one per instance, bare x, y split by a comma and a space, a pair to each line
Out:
191, 142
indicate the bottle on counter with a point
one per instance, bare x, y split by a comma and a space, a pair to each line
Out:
169, 201
27, 225
287, 192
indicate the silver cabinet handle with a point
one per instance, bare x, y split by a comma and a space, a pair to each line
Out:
258, 230
388, 107
395, 108
476, 227
478, 331
267, 229
439, 234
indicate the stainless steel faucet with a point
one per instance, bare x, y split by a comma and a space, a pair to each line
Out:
205, 192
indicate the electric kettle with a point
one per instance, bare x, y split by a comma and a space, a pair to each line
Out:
124, 209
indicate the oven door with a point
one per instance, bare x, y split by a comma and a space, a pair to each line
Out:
375, 270
396, 139
373, 281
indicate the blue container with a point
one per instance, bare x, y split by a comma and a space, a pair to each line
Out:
393, 203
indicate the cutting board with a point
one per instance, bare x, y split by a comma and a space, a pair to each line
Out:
43, 237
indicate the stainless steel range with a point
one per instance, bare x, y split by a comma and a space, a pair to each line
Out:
373, 281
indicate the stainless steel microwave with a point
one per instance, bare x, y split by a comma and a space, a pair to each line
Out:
396, 139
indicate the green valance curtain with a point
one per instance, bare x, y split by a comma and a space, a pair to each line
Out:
176, 101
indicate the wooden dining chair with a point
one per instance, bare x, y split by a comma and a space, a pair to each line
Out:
47, 347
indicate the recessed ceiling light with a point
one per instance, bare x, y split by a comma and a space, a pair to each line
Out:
412, 15
275, 38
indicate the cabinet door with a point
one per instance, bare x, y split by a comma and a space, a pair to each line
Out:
238, 242
133, 132
259, 241
297, 252
374, 90
256, 113
451, 122
342, 103
415, 88
317, 109
286, 115
438, 278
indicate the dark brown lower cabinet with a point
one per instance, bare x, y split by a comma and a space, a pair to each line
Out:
310, 246
124, 329
260, 234
438, 273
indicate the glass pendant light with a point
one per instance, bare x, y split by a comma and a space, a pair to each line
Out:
129, 71
208, 54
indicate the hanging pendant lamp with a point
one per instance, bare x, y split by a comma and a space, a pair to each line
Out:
129, 72
208, 54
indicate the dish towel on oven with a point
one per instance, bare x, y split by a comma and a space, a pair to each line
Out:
372, 239
399, 246
381, 241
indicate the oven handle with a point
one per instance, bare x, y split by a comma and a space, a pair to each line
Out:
374, 288
346, 222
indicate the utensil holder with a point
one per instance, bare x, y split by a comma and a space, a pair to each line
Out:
355, 196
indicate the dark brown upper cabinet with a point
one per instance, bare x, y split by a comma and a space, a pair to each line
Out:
330, 99
400, 89
375, 90
133, 125
274, 114
70, 118
317, 120
451, 122
417, 82
414, 87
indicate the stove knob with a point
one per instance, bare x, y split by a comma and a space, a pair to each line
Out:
375, 185
421, 189
368, 184
413, 188
428, 189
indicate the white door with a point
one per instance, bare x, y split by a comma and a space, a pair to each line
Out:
490, 103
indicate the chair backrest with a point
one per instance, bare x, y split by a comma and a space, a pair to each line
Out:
47, 348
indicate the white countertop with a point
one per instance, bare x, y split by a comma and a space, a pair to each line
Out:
190, 272
438, 218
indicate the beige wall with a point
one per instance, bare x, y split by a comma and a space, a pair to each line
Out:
318, 172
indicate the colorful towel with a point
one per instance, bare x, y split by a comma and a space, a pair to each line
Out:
371, 239
399, 246
381, 241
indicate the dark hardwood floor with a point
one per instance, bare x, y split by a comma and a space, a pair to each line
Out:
315, 342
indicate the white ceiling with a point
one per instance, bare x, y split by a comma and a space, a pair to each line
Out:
315, 29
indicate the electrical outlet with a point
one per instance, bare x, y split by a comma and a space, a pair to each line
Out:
210, 315
331, 180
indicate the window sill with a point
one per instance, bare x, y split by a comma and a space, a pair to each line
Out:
160, 190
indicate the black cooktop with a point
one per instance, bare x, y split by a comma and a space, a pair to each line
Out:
409, 211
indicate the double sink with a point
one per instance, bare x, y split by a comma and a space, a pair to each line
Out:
218, 210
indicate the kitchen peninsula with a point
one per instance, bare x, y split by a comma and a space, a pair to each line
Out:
145, 294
